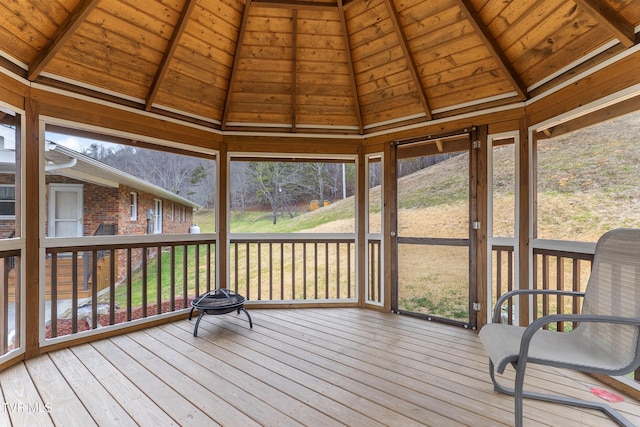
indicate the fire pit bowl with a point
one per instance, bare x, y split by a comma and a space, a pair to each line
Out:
218, 301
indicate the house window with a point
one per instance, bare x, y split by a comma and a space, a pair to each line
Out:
7, 201
133, 207
173, 212
157, 220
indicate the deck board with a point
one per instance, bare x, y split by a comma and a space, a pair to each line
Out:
315, 367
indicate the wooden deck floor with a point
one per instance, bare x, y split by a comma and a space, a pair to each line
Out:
315, 367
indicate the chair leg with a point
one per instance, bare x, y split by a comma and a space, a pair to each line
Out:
607, 409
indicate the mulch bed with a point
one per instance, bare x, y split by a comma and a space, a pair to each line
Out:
65, 326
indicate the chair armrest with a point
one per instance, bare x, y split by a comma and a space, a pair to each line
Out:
504, 297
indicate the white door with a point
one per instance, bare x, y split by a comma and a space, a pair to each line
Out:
65, 210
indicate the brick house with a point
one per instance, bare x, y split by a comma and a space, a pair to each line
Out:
85, 197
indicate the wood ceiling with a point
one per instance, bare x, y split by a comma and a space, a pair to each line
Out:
312, 66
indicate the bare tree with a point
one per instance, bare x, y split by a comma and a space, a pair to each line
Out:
276, 184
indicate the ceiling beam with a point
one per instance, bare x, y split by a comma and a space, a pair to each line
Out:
610, 19
169, 52
297, 4
352, 73
494, 49
413, 68
236, 60
66, 30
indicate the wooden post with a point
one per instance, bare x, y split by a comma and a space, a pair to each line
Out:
525, 218
31, 228
390, 224
361, 232
479, 237
223, 218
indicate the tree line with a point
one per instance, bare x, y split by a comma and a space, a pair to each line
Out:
279, 187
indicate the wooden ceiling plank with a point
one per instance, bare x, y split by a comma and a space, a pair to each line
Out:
183, 20
352, 73
494, 49
413, 68
236, 61
56, 42
610, 19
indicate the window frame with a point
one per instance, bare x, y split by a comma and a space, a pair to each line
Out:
9, 217
133, 206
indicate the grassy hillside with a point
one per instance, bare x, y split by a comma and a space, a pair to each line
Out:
589, 182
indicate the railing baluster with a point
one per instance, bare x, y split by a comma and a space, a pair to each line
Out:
54, 295
337, 270
559, 286
74, 291
270, 270
282, 270
159, 280
94, 289
208, 269
112, 286
129, 284
196, 272
304, 271
575, 303
185, 275
293, 270
172, 278
144, 281
259, 271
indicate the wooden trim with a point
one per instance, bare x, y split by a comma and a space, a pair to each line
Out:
284, 145
168, 53
108, 117
66, 30
617, 77
599, 116
296, 4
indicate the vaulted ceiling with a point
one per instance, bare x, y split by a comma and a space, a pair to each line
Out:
330, 66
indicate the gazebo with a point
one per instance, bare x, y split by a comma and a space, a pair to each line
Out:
356, 81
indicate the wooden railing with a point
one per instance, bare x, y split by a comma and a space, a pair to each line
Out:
145, 279
293, 269
559, 270
553, 269
153, 276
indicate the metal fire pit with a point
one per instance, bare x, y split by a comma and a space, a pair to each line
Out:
218, 301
